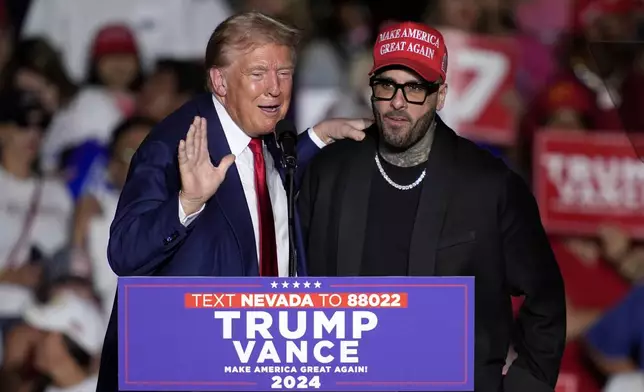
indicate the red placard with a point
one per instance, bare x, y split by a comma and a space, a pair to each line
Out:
481, 75
584, 180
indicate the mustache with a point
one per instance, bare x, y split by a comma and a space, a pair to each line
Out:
398, 113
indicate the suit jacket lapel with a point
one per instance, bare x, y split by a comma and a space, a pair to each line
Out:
433, 203
230, 195
354, 204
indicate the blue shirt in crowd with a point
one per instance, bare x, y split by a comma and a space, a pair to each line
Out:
619, 334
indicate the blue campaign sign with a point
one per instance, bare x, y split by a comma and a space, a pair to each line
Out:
326, 334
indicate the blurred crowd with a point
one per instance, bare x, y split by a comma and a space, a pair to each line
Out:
82, 82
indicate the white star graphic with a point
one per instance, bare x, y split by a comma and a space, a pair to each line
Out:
296, 285
307, 285
273, 285
317, 285
285, 285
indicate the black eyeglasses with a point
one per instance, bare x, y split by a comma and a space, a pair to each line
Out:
414, 92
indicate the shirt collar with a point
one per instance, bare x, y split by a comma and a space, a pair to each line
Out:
237, 139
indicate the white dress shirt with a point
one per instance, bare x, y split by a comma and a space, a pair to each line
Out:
238, 142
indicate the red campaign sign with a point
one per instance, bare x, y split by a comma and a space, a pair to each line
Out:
584, 180
481, 75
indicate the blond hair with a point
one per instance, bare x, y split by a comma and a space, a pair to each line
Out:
243, 32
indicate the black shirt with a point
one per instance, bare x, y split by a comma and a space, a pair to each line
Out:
391, 216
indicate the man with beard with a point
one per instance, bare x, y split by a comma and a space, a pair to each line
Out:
413, 198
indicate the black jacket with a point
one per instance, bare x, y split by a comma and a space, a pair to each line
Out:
476, 218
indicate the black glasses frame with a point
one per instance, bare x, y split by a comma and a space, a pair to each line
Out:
429, 88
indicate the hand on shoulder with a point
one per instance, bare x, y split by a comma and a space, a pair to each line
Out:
342, 128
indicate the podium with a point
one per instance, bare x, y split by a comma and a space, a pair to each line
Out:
305, 333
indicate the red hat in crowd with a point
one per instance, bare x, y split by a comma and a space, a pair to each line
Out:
568, 95
594, 9
114, 39
414, 46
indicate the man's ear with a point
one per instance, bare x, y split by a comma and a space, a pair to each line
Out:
442, 94
218, 81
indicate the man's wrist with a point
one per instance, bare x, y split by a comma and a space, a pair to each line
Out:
324, 139
190, 204
316, 139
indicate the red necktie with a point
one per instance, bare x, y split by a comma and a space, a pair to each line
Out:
267, 244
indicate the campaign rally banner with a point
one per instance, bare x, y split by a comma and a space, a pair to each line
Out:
481, 75
326, 334
583, 180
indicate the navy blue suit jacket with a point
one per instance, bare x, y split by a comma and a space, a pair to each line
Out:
146, 236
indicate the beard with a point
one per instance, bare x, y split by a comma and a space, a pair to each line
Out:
403, 136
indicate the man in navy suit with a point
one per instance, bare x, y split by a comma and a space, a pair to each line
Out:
212, 202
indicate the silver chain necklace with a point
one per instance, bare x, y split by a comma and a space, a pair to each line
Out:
398, 186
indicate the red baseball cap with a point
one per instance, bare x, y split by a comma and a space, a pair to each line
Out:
114, 39
597, 8
570, 95
413, 45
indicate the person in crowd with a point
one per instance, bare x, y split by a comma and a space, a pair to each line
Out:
180, 186
65, 281
82, 130
356, 100
115, 66
458, 212
163, 28
35, 210
564, 106
471, 16
36, 67
96, 207
616, 341
343, 38
56, 348
57, 279
173, 83
625, 382
597, 59
7, 35
586, 262
463, 15
465, 21
296, 13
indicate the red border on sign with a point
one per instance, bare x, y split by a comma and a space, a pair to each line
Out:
249, 383
195, 383
465, 341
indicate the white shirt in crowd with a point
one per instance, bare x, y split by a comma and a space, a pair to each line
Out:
238, 142
91, 115
49, 232
625, 382
103, 278
163, 28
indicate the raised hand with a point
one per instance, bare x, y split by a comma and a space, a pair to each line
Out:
200, 179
